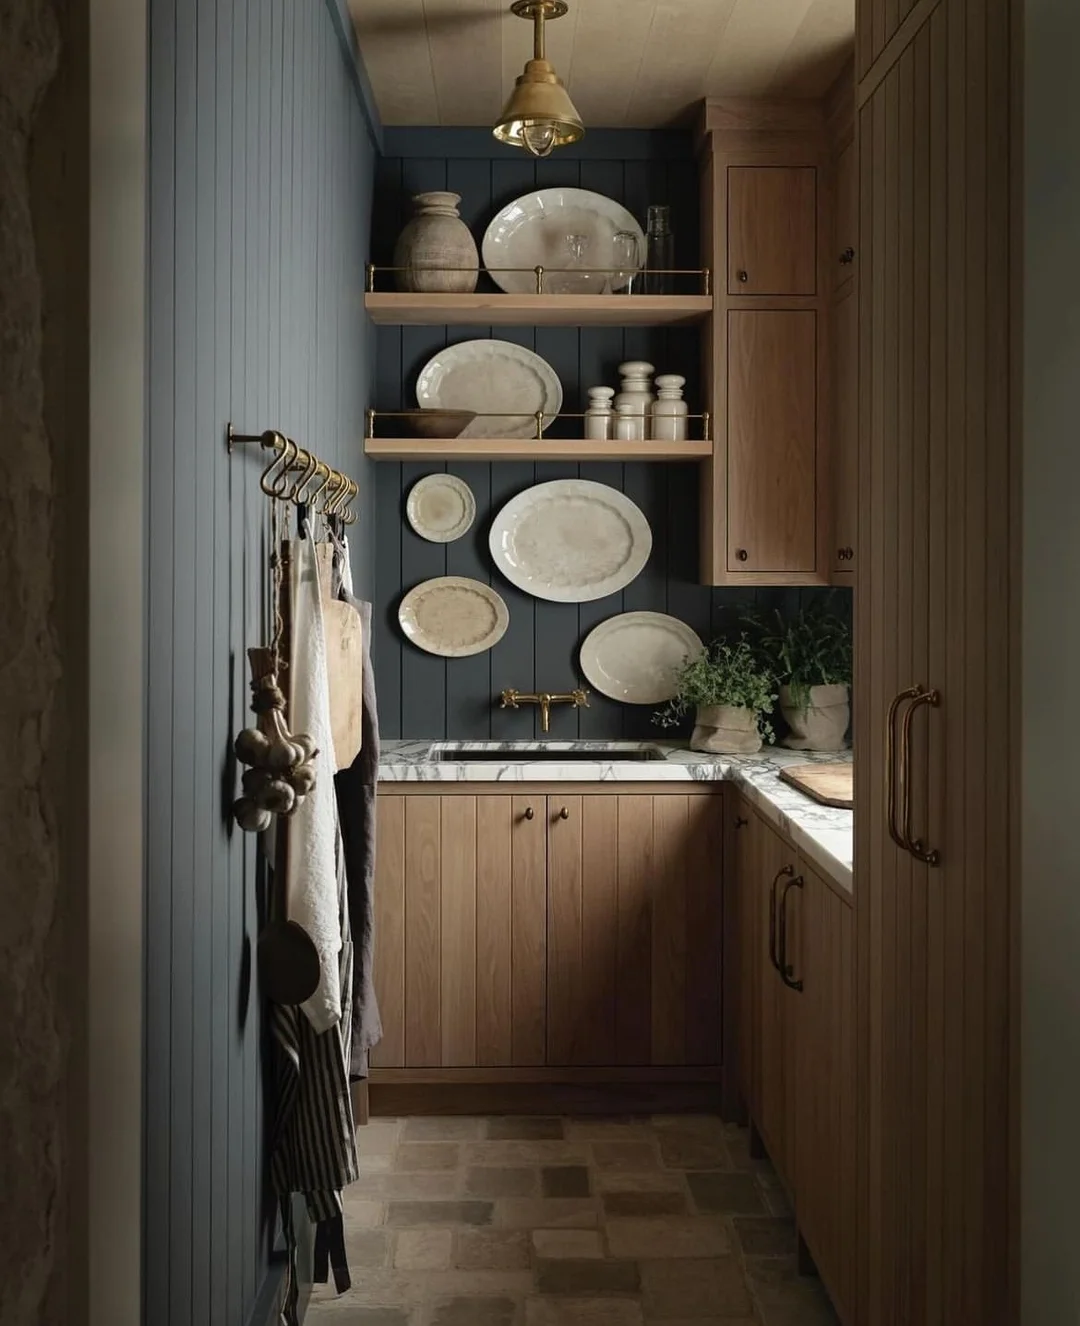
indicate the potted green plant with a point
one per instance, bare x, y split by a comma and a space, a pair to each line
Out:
810, 655
731, 694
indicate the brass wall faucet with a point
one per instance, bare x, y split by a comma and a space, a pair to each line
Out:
511, 699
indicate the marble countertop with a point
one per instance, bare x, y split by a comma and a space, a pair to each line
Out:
824, 833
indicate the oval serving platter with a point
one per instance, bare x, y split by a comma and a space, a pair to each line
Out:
440, 507
453, 616
570, 541
636, 657
532, 232
495, 378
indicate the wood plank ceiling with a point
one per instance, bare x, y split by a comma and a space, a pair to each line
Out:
627, 63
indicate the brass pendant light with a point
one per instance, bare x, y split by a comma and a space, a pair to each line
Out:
539, 115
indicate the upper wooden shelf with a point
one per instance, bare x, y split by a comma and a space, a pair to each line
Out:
499, 310
486, 448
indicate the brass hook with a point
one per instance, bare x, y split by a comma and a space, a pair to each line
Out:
348, 516
289, 452
270, 441
307, 466
313, 500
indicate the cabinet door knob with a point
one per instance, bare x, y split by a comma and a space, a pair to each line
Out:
530, 813
741, 554
743, 277
848, 256
841, 555
741, 821
564, 814
849, 554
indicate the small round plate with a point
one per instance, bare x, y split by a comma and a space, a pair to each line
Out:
453, 616
440, 507
636, 656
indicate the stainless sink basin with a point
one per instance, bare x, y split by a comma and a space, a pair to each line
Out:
453, 753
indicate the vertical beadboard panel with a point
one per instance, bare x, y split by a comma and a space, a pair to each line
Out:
261, 168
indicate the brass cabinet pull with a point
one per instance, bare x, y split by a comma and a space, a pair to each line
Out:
784, 870
743, 276
564, 814
529, 813
929, 856
786, 970
891, 807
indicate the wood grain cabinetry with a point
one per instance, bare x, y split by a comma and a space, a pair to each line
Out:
846, 215
845, 486
772, 230
936, 678
554, 930
766, 214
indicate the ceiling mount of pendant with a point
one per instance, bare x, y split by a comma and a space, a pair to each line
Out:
539, 115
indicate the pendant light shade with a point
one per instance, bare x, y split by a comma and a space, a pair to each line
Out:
539, 115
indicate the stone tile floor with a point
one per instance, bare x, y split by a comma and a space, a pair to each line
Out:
559, 1222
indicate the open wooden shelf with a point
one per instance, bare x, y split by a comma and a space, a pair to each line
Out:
485, 448
500, 310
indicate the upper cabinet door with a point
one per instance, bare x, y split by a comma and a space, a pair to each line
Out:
846, 236
772, 441
772, 230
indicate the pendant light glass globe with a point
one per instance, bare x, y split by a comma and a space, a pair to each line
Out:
539, 115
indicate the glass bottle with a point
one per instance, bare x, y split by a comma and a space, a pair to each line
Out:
660, 251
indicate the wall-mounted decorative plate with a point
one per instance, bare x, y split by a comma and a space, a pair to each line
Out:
453, 616
440, 507
570, 541
496, 378
558, 228
636, 656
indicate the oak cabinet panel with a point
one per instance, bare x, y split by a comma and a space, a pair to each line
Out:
846, 229
772, 230
772, 441
846, 438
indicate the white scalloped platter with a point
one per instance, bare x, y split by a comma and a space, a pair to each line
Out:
491, 378
636, 657
453, 616
532, 232
570, 541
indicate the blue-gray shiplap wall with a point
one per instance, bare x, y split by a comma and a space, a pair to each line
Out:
421, 695
262, 154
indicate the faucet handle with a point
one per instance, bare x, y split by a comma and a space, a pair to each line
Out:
581, 698
509, 699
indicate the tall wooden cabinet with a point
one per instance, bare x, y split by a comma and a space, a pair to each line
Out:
936, 679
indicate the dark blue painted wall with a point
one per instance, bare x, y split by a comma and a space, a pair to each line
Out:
425, 696
261, 163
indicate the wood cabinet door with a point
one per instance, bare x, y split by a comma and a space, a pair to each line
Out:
744, 888
634, 930
772, 441
825, 1091
460, 930
846, 230
845, 455
776, 866
937, 534
772, 230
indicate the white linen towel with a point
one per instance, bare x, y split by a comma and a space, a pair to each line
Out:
311, 876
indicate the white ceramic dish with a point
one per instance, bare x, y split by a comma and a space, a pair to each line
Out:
532, 232
453, 616
570, 541
636, 656
440, 507
492, 378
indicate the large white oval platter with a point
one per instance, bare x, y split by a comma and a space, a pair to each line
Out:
491, 377
636, 657
440, 507
570, 541
531, 232
453, 616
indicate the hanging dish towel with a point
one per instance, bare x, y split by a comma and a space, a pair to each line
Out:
311, 873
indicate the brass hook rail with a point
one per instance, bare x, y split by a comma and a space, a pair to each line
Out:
299, 476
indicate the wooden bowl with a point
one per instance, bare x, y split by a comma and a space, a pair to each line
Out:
437, 423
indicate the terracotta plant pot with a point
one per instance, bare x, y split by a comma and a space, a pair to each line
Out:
726, 730
434, 243
823, 724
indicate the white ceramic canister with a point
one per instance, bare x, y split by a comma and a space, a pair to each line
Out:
636, 393
629, 425
669, 410
600, 417
436, 248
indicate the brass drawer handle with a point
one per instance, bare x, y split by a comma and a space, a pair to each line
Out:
530, 813
891, 807
787, 971
784, 870
928, 856
564, 814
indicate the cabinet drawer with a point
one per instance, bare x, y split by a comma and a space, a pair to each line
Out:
772, 230
772, 441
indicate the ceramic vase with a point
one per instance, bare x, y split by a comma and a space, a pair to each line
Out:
726, 730
822, 724
433, 244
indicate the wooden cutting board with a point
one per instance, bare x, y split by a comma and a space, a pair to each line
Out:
344, 634
829, 784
